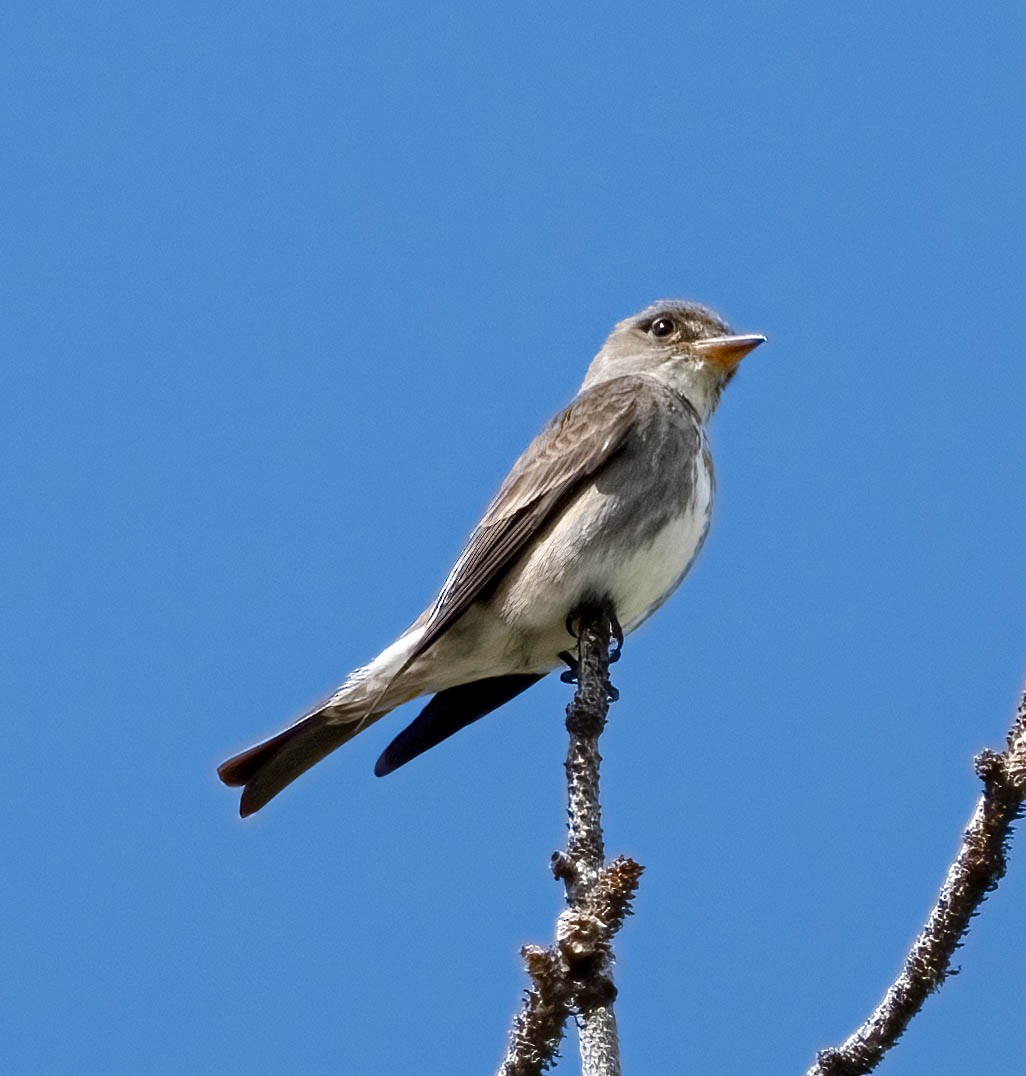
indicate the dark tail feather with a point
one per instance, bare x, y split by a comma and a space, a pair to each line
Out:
268, 767
448, 712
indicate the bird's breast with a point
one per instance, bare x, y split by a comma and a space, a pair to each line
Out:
654, 564
630, 538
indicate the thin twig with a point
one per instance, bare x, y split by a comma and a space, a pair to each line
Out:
976, 871
575, 975
585, 720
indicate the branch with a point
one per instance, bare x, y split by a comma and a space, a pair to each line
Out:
538, 1027
575, 974
976, 871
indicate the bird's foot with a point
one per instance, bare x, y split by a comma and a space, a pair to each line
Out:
572, 673
616, 642
573, 627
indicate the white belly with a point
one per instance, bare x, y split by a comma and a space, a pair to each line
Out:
598, 547
650, 575
571, 564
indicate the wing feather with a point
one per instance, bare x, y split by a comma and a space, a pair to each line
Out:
569, 452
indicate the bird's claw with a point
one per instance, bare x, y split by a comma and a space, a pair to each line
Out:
616, 643
615, 630
573, 671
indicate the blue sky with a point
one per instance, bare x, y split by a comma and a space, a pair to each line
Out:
285, 291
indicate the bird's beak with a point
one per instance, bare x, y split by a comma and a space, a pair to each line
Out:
728, 351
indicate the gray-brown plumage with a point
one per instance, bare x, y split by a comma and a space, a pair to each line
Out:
610, 502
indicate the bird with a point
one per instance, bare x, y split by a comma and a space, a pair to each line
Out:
609, 504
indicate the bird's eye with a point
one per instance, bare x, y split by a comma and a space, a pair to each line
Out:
662, 327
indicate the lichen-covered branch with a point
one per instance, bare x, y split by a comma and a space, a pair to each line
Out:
574, 976
538, 1027
976, 871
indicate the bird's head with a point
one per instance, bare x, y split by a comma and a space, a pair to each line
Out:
685, 345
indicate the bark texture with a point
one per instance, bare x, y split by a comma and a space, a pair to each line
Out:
976, 871
574, 976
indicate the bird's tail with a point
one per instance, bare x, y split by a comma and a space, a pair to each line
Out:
265, 769
370, 692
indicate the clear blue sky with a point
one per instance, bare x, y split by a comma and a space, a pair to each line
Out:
285, 290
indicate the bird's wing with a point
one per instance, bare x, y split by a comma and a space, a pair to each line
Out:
574, 447
448, 712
